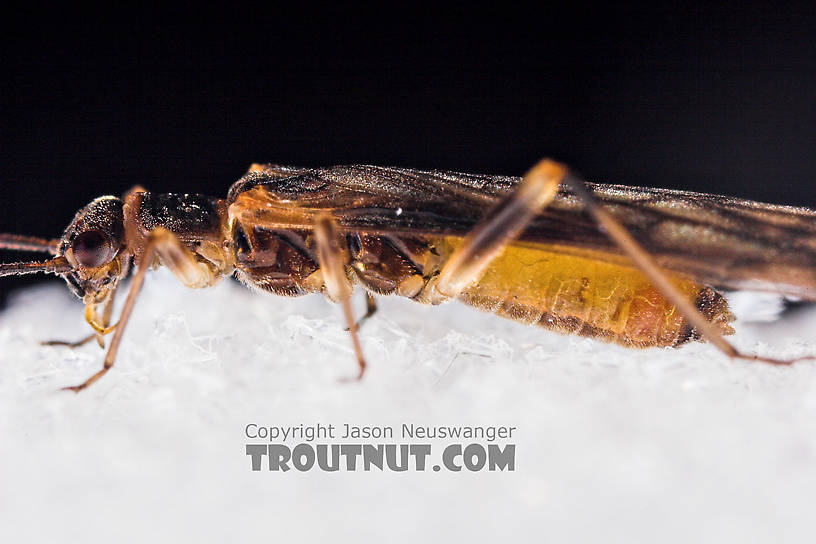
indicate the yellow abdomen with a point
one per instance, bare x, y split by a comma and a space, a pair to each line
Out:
578, 294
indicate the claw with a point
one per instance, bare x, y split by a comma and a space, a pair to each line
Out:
74, 388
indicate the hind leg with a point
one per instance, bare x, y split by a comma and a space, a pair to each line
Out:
500, 226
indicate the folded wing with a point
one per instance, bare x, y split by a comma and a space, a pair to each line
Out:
721, 241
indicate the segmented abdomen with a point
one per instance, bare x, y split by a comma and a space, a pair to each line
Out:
587, 296
532, 283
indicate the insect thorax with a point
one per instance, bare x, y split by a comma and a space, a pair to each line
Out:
198, 221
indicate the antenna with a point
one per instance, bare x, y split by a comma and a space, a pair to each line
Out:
57, 265
18, 242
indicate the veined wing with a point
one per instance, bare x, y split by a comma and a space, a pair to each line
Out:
722, 241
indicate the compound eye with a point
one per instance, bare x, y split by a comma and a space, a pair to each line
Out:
92, 249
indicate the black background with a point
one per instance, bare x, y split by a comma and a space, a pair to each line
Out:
716, 99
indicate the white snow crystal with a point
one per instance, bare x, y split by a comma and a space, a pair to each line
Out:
671, 445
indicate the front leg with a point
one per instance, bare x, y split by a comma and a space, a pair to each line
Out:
99, 321
73, 345
181, 261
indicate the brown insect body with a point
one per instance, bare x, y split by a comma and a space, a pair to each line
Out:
532, 283
539, 255
239, 235
719, 240
593, 292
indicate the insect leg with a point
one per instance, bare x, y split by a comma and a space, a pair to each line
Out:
332, 256
72, 345
659, 278
100, 324
371, 309
502, 223
178, 259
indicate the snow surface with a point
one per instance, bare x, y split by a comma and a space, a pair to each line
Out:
613, 445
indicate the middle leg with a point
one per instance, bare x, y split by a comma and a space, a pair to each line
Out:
371, 309
332, 256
